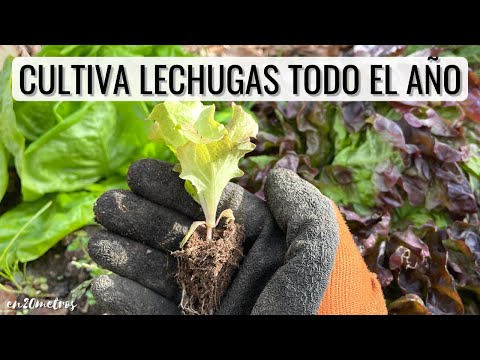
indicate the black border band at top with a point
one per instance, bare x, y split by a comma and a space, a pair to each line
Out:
294, 30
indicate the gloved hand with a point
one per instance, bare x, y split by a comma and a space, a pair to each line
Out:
300, 257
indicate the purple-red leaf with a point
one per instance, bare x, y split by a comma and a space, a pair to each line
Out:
413, 242
392, 133
416, 188
460, 194
386, 176
354, 115
448, 154
471, 106
433, 121
289, 161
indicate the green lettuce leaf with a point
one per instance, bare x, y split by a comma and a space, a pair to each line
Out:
3, 171
71, 155
67, 213
11, 137
208, 151
185, 121
472, 165
91, 141
418, 216
34, 118
359, 154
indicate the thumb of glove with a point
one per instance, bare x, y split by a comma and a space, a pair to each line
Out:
308, 220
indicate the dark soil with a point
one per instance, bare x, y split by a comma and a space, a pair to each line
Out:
206, 267
13, 196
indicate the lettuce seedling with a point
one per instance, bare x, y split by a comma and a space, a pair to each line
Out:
207, 150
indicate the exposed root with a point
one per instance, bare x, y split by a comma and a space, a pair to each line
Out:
206, 267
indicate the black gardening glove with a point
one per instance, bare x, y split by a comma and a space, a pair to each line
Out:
280, 274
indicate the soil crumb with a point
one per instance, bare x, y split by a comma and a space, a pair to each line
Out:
206, 267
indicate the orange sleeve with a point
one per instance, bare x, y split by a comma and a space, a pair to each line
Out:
353, 289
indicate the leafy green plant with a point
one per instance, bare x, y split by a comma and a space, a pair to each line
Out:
10, 269
67, 212
207, 150
67, 153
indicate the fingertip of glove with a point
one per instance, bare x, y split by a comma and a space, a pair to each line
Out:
106, 251
281, 178
107, 202
146, 170
156, 181
103, 290
102, 283
278, 179
118, 295
280, 175
292, 199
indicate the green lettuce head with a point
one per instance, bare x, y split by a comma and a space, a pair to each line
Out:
208, 151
